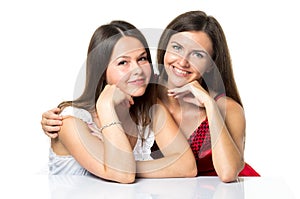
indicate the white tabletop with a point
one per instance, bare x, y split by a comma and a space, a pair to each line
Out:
56, 187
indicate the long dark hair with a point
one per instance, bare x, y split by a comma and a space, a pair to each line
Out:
99, 53
199, 21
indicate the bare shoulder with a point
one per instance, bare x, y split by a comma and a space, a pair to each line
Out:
67, 135
73, 131
228, 106
159, 101
160, 107
162, 119
73, 126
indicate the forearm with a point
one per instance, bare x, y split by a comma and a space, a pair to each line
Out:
117, 149
92, 154
227, 157
117, 152
178, 160
176, 165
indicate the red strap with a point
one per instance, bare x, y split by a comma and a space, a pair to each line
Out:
219, 96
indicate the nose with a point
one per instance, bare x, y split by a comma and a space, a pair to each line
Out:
183, 61
136, 68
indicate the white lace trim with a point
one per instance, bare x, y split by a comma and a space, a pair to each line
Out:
142, 149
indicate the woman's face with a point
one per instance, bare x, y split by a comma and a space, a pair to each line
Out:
187, 57
129, 67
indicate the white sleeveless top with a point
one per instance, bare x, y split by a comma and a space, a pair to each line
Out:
67, 165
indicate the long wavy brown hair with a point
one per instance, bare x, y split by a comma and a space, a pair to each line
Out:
99, 53
221, 78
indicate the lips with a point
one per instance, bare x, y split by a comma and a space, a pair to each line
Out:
139, 81
180, 72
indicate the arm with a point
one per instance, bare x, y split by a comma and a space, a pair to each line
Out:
178, 160
110, 158
227, 129
93, 154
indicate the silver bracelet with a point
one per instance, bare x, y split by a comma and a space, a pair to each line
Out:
108, 125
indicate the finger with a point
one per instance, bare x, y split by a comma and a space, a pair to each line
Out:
171, 93
179, 95
51, 128
182, 94
52, 134
56, 110
180, 89
52, 114
128, 103
51, 122
176, 91
125, 103
131, 102
193, 101
190, 100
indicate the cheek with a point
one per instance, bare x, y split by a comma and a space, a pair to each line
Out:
169, 57
114, 76
147, 70
201, 66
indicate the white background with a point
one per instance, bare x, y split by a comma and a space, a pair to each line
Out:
43, 45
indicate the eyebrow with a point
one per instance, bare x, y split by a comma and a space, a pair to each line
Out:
124, 56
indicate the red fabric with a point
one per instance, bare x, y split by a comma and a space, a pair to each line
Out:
200, 144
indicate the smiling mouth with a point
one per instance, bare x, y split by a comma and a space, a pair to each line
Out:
137, 82
180, 72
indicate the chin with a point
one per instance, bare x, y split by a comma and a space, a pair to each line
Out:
178, 83
138, 93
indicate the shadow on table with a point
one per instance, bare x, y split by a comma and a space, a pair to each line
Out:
68, 186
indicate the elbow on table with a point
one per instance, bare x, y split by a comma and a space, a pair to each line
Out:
127, 178
189, 171
123, 175
230, 174
193, 171
228, 177
123, 178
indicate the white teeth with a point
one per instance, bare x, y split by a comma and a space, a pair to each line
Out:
180, 71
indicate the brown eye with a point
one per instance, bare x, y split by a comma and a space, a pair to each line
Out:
143, 59
122, 63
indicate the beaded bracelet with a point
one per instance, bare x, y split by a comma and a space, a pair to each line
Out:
108, 125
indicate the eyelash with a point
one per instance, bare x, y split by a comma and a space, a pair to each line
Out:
176, 47
198, 54
143, 59
140, 59
122, 63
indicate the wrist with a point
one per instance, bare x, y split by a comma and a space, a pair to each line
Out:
209, 103
107, 125
104, 105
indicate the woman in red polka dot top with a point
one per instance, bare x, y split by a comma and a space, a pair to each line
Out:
198, 87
